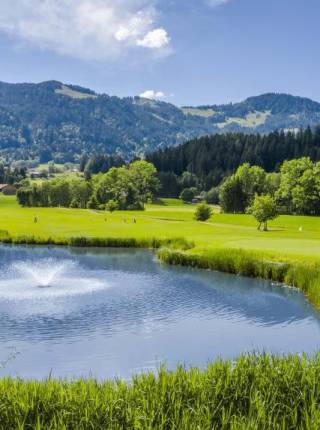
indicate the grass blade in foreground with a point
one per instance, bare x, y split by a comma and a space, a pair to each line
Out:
254, 392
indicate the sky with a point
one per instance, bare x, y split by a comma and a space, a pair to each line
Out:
186, 52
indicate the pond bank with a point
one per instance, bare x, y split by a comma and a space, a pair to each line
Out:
305, 276
174, 251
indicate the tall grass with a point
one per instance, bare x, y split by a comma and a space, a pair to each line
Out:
254, 392
305, 276
105, 242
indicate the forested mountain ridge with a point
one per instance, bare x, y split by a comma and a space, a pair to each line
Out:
51, 120
60, 122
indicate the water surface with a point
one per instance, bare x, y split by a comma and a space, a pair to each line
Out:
106, 313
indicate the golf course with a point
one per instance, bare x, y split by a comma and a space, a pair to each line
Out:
292, 237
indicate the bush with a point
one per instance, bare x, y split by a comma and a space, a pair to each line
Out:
203, 212
112, 206
212, 196
188, 194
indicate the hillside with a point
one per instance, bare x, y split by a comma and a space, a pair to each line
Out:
51, 120
262, 114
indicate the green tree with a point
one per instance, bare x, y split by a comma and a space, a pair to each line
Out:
188, 194
212, 196
60, 192
24, 196
93, 203
143, 176
112, 206
203, 212
81, 191
253, 180
299, 190
232, 197
188, 180
272, 183
129, 186
75, 203
264, 209
169, 185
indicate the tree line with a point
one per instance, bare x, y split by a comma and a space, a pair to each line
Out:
99, 164
127, 188
212, 158
11, 176
295, 189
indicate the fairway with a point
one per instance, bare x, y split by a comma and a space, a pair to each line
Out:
292, 236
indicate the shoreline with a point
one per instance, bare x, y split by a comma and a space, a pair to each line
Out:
174, 251
303, 276
255, 390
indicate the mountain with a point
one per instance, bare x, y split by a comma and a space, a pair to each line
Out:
52, 120
261, 114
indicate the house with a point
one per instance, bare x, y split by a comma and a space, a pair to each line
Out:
8, 190
34, 174
198, 199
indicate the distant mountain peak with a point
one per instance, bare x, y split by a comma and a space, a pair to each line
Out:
64, 121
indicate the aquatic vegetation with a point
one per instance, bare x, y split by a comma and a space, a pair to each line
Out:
305, 276
100, 242
254, 392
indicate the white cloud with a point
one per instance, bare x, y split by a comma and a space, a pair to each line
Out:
151, 94
215, 3
86, 29
155, 39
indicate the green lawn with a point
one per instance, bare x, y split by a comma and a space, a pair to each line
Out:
288, 235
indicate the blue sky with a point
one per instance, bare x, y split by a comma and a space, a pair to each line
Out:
188, 52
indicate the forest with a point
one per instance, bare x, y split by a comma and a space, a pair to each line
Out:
212, 158
10, 175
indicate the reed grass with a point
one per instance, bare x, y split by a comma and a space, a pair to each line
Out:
99, 242
254, 392
302, 275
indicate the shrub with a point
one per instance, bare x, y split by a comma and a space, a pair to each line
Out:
112, 206
203, 212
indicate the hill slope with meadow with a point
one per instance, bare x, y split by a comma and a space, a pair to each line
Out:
51, 120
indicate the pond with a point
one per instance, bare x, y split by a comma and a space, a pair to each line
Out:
104, 313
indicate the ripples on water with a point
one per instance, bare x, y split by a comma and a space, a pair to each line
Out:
113, 312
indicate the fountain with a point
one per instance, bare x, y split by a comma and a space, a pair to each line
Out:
48, 278
45, 273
